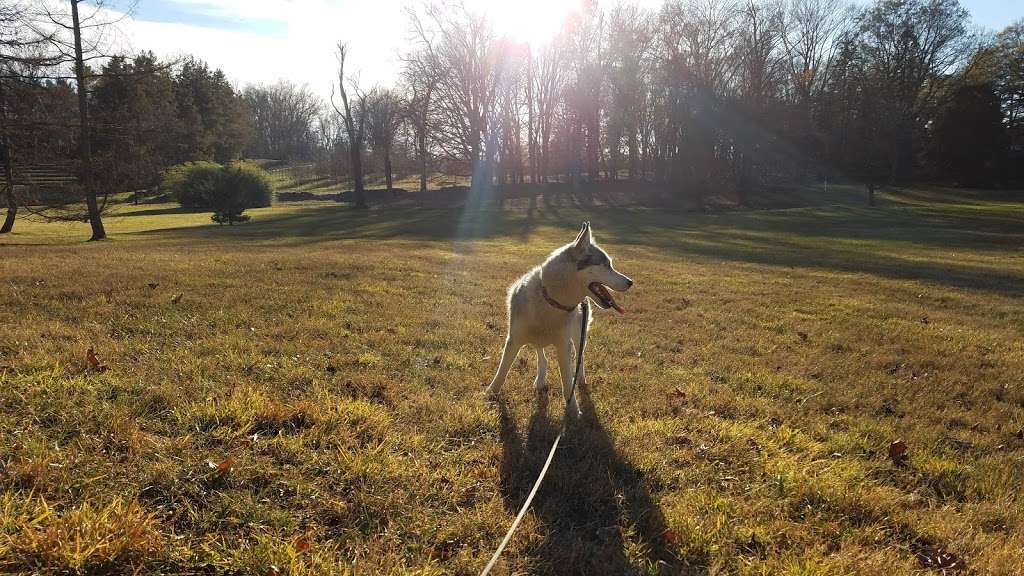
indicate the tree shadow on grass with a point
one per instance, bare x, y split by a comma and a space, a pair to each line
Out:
594, 505
156, 212
310, 225
835, 238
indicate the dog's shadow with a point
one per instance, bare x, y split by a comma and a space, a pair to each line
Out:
597, 513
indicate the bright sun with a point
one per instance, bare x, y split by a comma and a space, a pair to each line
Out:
533, 21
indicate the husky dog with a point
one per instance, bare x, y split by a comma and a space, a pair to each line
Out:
544, 309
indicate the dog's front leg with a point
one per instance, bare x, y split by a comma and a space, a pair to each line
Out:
508, 355
542, 369
565, 368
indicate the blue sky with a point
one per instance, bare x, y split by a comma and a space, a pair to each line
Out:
995, 14
197, 15
261, 41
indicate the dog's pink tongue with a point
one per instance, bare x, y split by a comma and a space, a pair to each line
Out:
618, 308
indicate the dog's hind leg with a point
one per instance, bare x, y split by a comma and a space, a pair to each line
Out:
566, 369
542, 369
508, 355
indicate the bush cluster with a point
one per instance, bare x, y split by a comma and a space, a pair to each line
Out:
227, 190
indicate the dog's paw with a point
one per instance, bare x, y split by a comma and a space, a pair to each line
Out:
491, 395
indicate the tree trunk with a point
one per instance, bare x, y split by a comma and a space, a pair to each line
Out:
545, 148
12, 210
423, 159
84, 146
387, 168
476, 166
634, 155
12, 205
357, 177
871, 193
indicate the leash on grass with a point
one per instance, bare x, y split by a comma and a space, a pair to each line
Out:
554, 445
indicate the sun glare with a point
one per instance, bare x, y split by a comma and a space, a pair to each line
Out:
535, 22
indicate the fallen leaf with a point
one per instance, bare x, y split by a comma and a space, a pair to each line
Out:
222, 467
302, 543
802, 335
898, 452
668, 536
677, 393
94, 362
152, 285
1020, 434
273, 571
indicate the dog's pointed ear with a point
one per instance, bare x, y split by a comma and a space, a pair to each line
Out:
583, 241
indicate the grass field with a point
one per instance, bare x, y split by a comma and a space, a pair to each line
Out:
302, 394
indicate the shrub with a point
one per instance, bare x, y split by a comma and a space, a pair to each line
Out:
227, 190
249, 184
194, 184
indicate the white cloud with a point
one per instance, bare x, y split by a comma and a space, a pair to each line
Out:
263, 41
300, 47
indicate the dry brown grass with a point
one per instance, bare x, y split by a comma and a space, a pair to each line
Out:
312, 401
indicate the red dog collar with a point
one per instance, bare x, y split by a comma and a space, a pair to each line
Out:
553, 302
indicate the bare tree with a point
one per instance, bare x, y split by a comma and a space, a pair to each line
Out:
910, 46
354, 118
630, 45
420, 75
507, 127
283, 117
15, 49
467, 63
8, 159
813, 32
585, 42
698, 67
813, 29
384, 116
546, 77
64, 33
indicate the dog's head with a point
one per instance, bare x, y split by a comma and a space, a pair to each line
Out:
594, 270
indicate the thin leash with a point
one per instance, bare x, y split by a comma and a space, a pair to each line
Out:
554, 445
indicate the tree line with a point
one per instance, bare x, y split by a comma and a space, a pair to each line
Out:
698, 97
